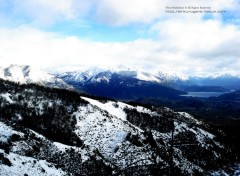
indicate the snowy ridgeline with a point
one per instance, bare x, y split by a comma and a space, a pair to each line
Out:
25, 75
54, 132
28, 74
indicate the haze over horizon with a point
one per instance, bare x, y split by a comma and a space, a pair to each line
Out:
78, 33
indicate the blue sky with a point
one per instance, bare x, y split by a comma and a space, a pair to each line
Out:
138, 34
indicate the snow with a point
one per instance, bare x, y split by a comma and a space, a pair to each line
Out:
144, 110
37, 134
39, 76
26, 165
2, 73
188, 116
104, 78
6, 132
15, 73
220, 173
200, 134
7, 97
100, 130
110, 107
117, 108
223, 172
147, 77
61, 146
24, 74
103, 126
91, 73
40, 108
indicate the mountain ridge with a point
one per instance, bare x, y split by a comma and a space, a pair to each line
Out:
25, 74
28, 74
177, 81
76, 134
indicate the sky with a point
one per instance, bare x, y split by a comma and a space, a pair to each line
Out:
139, 34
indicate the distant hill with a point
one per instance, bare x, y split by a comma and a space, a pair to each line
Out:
231, 96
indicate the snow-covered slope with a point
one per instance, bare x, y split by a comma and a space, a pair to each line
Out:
60, 132
15, 164
25, 74
147, 77
105, 126
19, 165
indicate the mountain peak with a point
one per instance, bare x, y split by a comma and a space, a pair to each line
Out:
16, 73
25, 74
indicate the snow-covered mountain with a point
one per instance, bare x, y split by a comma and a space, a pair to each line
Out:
25, 74
100, 75
228, 81
120, 83
59, 132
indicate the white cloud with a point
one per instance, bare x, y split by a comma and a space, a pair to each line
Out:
29, 46
50, 11
111, 12
185, 44
124, 12
181, 51
201, 46
199, 38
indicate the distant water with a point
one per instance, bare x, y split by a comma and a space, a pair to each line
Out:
203, 94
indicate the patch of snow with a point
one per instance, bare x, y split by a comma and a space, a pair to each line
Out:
147, 77
104, 78
117, 108
25, 74
37, 134
7, 97
26, 165
111, 107
61, 146
39, 76
15, 73
220, 173
188, 116
200, 134
99, 130
144, 110
6, 132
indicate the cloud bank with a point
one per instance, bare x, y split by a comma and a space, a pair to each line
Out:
189, 44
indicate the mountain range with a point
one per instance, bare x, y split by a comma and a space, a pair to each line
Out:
122, 83
98, 75
120, 76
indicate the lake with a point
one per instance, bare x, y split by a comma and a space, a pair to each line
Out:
204, 94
